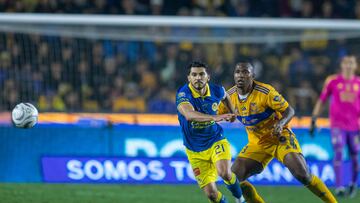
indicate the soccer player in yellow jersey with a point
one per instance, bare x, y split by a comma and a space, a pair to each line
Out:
265, 114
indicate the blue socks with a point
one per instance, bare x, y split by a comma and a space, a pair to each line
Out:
234, 186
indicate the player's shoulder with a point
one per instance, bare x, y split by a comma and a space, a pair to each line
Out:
263, 87
331, 78
183, 90
217, 90
231, 90
216, 87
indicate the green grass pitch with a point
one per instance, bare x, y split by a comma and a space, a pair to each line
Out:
87, 193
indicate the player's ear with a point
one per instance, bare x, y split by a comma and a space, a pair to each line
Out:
188, 77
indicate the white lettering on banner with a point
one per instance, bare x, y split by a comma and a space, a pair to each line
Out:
142, 170
314, 170
157, 172
116, 173
74, 166
281, 171
94, 170
179, 169
133, 146
172, 147
328, 173
315, 150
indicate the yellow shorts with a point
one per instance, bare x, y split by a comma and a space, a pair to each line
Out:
203, 163
266, 151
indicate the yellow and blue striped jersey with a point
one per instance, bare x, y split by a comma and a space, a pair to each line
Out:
259, 111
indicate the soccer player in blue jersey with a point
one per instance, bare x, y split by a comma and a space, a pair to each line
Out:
207, 149
266, 114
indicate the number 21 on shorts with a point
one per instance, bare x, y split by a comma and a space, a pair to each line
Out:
219, 149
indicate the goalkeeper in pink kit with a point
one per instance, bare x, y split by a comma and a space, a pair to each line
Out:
343, 89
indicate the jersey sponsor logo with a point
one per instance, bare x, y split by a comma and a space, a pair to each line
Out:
200, 125
214, 106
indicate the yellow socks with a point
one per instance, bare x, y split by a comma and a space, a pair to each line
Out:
317, 187
232, 181
220, 198
250, 194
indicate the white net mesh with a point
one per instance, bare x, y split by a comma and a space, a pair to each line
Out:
123, 64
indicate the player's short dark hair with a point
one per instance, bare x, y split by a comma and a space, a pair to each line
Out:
246, 63
198, 64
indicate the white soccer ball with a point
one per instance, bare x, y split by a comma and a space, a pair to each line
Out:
24, 115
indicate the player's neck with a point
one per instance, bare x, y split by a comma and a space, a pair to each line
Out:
201, 92
347, 76
245, 90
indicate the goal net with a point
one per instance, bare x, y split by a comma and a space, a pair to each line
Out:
94, 63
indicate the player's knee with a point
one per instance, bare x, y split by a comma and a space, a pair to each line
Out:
225, 175
212, 195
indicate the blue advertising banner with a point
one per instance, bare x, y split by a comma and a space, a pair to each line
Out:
21, 150
160, 171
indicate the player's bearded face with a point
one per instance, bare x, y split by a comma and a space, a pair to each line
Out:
198, 77
243, 76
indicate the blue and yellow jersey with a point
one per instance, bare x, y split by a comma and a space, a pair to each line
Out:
259, 111
199, 136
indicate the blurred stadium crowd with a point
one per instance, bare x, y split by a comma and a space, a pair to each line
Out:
131, 76
249, 8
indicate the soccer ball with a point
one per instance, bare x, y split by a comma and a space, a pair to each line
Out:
24, 115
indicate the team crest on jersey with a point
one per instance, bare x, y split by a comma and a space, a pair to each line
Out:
253, 108
214, 106
340, 86
356, 87
181, 94
277, 98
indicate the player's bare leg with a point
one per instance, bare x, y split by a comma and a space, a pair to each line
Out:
213, 194
295, 162
223, 168
244, 168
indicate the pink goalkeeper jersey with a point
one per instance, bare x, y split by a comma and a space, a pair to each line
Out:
344, 101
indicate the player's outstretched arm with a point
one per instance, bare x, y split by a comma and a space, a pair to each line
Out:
227, 103
188, 111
